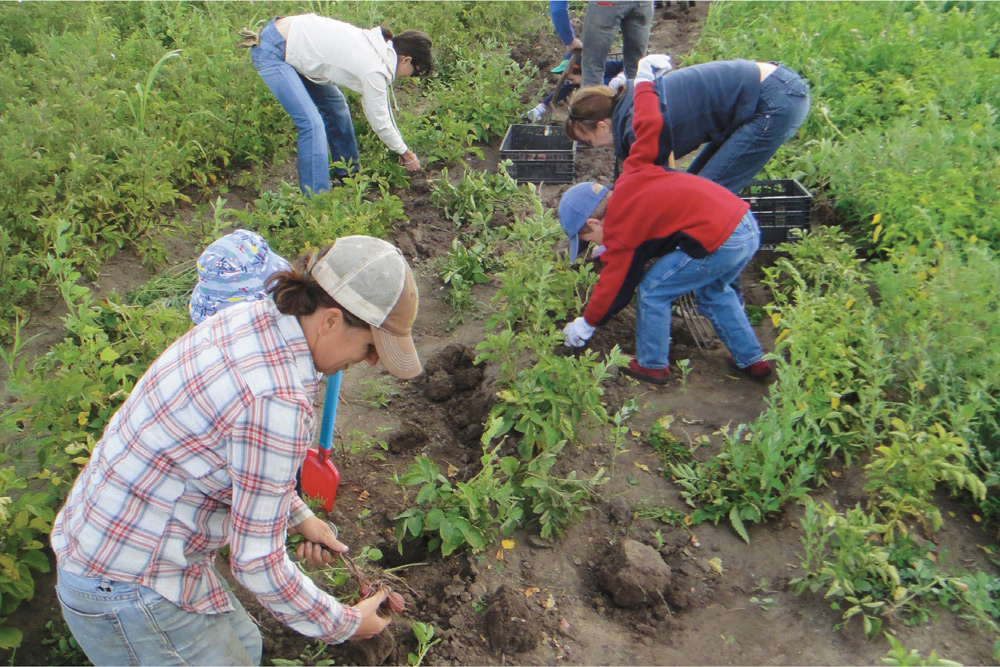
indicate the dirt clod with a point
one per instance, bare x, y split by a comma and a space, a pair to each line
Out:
440, 387
406, 439
634, 575
509, 624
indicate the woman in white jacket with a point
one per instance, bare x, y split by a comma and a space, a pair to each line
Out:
303, 59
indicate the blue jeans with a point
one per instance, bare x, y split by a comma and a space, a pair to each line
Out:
781, 109
320, 113
676, 274
128, 624
601, 22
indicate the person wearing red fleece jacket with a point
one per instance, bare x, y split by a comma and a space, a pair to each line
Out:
697, 234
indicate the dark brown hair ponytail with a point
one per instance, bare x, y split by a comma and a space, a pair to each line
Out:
295, 292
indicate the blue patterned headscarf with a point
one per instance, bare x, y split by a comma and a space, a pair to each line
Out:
233, 269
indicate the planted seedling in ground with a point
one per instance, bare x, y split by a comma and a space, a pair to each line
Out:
424, 632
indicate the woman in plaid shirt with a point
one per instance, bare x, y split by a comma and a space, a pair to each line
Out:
204, 453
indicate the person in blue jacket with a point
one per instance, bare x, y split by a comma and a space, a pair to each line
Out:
740, 111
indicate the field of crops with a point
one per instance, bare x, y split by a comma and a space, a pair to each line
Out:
846, 512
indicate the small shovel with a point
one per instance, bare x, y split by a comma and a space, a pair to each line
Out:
319, 476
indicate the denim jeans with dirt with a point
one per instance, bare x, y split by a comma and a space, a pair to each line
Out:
119, 623
781, 108
676, 274
320, 113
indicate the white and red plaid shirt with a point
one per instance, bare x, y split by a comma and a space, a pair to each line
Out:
203, 453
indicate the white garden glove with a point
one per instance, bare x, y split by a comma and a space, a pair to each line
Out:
652, 66
535, 115
578, 332
617, 82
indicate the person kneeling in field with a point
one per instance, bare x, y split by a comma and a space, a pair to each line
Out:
204, 454
699, 234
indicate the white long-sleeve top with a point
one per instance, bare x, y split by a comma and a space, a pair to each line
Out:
328, 51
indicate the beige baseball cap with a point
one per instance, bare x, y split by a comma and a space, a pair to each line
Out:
372, 280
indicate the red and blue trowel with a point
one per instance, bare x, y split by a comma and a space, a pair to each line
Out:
319, 476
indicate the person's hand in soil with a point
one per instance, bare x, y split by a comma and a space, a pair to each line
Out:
321, 544
371, 622
410, 161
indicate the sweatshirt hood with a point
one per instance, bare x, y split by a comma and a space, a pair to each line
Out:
384, 50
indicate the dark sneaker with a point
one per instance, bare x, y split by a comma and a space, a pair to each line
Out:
757, 370
654, 375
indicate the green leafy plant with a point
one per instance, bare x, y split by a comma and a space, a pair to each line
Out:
25, 522
459, 515
379, 392
899, 656
905, 472
63, 647
684, 365
313, 654
359, 442
424, 634
665, 443
476, 195
619, 430
463, 267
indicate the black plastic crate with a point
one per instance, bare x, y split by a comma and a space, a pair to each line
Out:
539, 153
778, 205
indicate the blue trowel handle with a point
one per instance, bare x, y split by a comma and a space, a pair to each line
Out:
329, 413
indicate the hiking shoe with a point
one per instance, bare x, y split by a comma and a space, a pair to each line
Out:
654, 375
757, 370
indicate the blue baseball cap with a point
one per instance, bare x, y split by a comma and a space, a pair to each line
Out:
575, 207
232, 269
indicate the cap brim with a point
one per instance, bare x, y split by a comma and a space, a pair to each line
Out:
574, 248
397, 353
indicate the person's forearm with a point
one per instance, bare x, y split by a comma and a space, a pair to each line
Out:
559, 11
